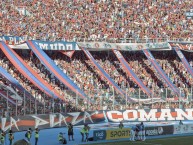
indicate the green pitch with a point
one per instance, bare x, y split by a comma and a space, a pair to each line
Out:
186, 140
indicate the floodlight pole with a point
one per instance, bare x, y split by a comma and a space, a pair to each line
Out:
7, 102
44, 102
113, 99
30, 103
24, 104
35, 104
126, 98
16, 107
191, 94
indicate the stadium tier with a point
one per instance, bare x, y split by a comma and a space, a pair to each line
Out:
101, 66
59, 77
65, 56
87, 20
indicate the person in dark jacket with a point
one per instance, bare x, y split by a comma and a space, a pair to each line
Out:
36, 136
11, 137
70, 132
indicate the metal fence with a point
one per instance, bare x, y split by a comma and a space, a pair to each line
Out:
23, 103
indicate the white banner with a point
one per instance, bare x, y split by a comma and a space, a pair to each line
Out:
181, 129
124, 46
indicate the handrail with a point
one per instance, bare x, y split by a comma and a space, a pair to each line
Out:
109, 40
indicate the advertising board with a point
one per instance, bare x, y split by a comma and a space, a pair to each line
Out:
159, 130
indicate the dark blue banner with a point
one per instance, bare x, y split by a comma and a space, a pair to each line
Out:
56, 45
53, 68
102, 72
131, 73
160, 71
183, 59
11, 55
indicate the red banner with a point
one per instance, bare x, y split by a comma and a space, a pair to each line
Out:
68, 53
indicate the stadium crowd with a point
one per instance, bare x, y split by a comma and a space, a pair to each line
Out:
81, 71
96, 19
90, 20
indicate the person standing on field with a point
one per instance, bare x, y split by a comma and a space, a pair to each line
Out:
121, 125
82, 132
3, 134
132, 134
87, 128
11, 137
142, 132
70, 131
28, 134
36, 136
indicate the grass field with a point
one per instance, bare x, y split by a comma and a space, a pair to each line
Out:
186, 140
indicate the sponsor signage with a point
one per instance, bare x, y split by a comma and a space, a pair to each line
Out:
124, 46
118, 133
150, 115
17, 42
13, 39
159, 130
111, 134
99, 135
181, 129
20, 123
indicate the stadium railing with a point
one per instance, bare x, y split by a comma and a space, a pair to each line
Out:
104, 100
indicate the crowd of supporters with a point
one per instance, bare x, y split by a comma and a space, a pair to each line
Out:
86, 77
96, 19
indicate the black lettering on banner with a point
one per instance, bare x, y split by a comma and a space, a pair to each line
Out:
99, 135
119, 133
159, 130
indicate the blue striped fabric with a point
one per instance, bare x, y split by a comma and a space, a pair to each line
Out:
131, 73
184, 60
160, 71
102, 72
21, 67
53, 68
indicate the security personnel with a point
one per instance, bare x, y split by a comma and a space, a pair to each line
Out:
2, 137
60, 137
29, 132
70, 131
36, 136
87, 129
121, 125
11, 137
82, 132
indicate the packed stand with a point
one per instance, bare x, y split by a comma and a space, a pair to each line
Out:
71, 98
175, 70
80, 70
96, 19
7, 108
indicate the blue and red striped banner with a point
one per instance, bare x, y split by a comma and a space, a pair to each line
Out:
177, 48
58, 73
130, 72
160, 71
102, 72
22, 69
